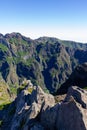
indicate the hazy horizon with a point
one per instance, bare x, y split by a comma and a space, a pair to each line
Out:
32, 38
62, 19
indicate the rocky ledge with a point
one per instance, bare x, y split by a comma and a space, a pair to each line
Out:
36, 110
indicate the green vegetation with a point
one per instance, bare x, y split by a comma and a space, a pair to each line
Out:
30, 89
1, 106
24, 42
13, 90
46, 90
21, 53
17, 41
9, 60
22, 86
1, 123
4, 94
85, 88
3, 47
16, 60
29, 61
4, 105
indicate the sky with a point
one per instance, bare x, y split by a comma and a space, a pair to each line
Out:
63, 19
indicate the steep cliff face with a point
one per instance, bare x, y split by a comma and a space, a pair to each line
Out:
78, 77
45, 61
35, 110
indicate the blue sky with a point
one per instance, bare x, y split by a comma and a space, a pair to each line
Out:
64, 19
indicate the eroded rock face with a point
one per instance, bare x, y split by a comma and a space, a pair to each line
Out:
72, 114
49, 117
77, 78
36, 110
29, 106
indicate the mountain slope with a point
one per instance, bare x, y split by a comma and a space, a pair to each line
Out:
78, 77
46, 61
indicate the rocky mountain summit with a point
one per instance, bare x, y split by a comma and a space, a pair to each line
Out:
35, 110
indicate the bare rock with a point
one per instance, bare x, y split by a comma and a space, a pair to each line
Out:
29, 106
38, 111
79, 95
49, 116
72, 114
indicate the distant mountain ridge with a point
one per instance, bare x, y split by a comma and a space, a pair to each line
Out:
46, 61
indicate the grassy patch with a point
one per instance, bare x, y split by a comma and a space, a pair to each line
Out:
21, 53
46, 90
29, 62
5, 105
4, 94
85, 88
17, 41
13, 90
9, 60
2, 107
3, 47
30, 89
22, 86
13, 40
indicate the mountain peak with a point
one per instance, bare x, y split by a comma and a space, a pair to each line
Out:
14, 34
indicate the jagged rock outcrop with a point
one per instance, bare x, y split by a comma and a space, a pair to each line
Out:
69, 114
36, 110
72, 112
29, 106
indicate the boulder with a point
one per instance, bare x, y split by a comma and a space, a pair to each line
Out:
72, 114
69, 114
